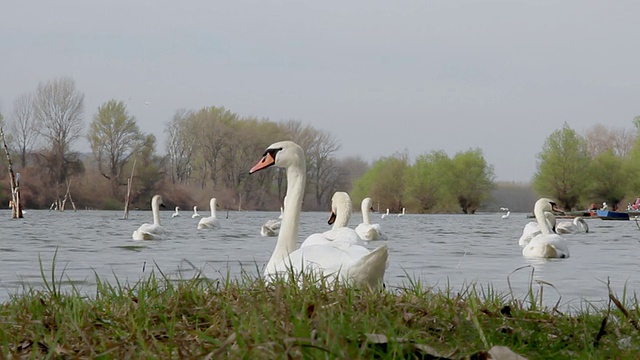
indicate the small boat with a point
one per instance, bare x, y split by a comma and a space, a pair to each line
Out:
612, 215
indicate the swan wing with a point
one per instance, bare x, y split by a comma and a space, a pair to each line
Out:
149, 232
547, 246
209, 222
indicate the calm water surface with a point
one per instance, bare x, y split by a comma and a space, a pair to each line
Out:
437, 250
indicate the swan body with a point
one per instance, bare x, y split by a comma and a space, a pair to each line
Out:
338, 260
547, 244
578, 225
195, 212
402, 213
176, 213
272, 227
366, 230
210, 222
385, 214
153, 231
532, 229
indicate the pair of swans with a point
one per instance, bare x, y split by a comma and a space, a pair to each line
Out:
210, 222
546, 244
153, 231
366, 230
342, 261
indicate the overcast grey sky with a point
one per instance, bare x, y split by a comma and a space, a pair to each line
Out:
382, 76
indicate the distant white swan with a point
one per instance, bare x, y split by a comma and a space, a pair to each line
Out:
385, 214
548, 244
176, 213
153, 231
195, 212
341, 209
272, 226
366, 230
402, 213
506, 216
349, 263
210, 222
578, 225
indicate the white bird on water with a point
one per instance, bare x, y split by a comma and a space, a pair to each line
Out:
176, 213
337, 260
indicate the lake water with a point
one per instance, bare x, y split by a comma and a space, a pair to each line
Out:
437, 250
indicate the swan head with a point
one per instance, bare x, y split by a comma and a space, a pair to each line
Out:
341, 206
367, 205
157, 199
281, 154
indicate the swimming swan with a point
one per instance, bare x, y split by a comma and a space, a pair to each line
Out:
366, 230
348, 263
506, 216
272, 226
385, 214
176, 213
210, 222
341, 209
531, 229
548, 244
153, 231
578, 225
402, 213
195, 212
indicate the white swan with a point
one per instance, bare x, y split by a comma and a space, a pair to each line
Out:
195, 212
548, 244
341, 209
272, 226
366, 230
153, 231
578, 225
506, 216
348, 263
531, 229
385, 214
176, 213
402, 213
210, 222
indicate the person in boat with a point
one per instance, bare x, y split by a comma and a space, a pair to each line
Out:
605, 206
593, 207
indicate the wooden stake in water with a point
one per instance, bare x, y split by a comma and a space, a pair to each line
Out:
16, 206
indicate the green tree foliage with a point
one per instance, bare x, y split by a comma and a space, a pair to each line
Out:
148, 172
471, 178
563, 167
606, 179
114, 137
427, 183
384, 182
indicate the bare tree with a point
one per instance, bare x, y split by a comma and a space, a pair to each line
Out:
58, 110
22, 125
600, 139
114, 137
181, 147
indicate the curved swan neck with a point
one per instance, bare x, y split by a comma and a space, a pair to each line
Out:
542, 217
288, 236
155, 209
365, 212
212, 204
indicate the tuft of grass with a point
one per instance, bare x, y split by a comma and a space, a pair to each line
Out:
302, 317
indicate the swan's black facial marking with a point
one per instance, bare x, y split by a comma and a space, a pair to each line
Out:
332, 218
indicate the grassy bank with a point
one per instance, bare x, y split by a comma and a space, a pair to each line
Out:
246, 318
